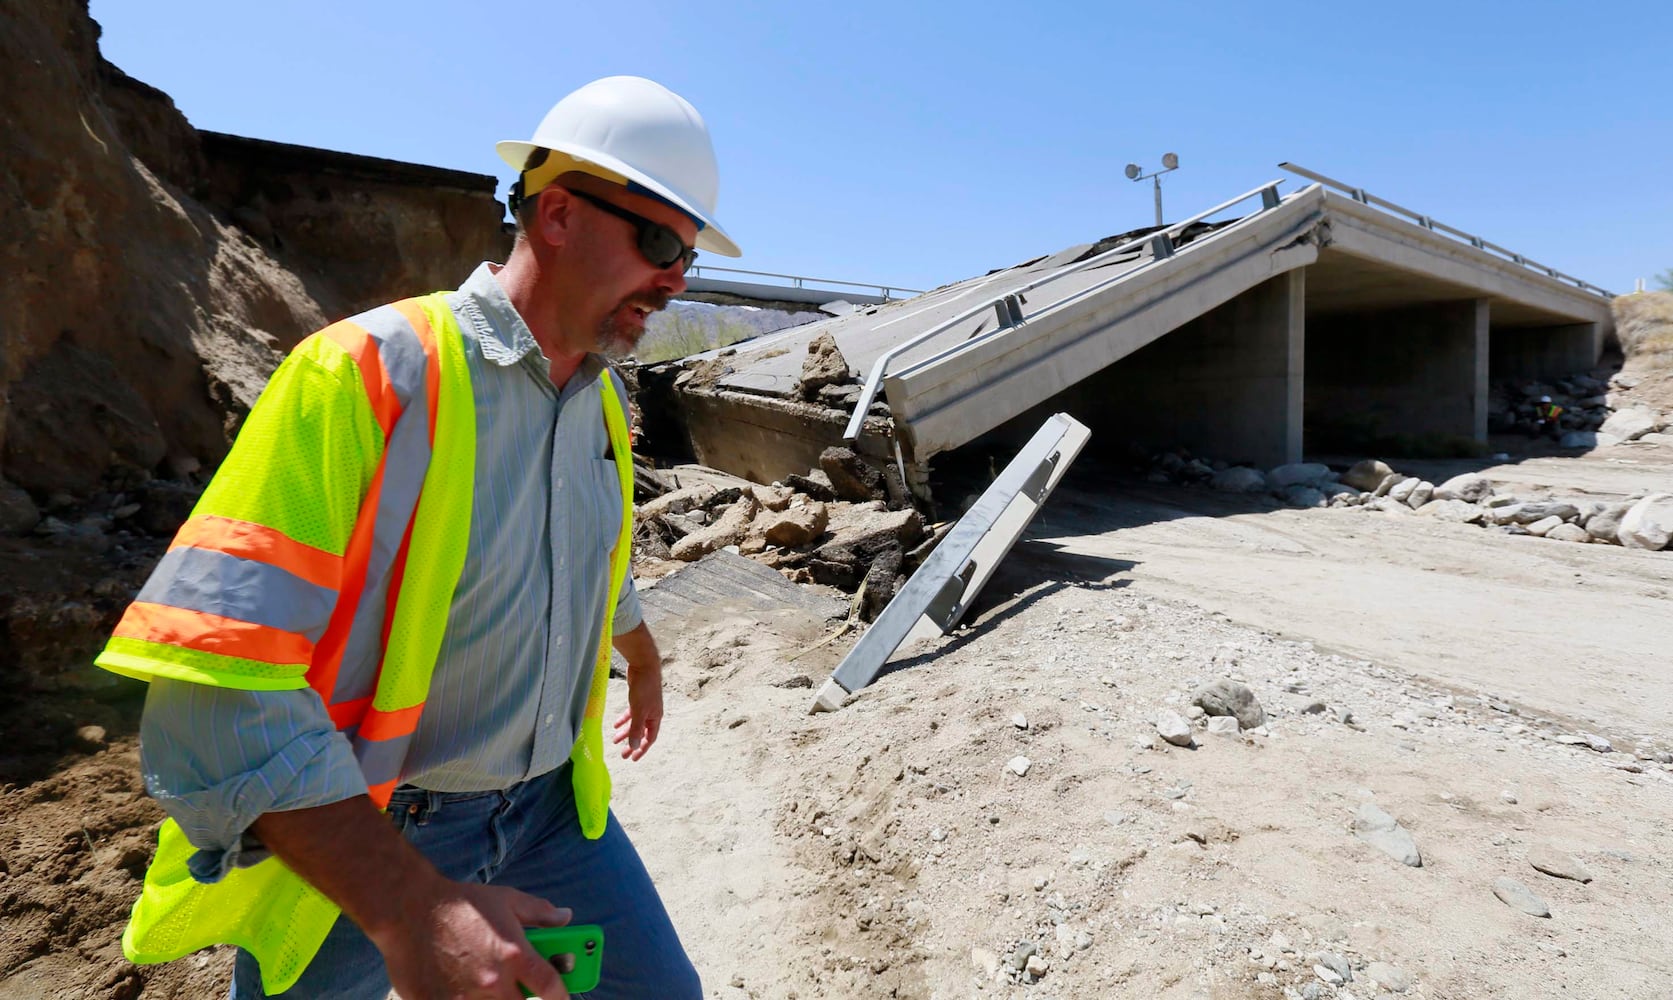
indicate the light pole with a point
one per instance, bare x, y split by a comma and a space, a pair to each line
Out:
1170, 161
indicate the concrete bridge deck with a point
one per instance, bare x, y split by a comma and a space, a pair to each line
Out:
1317, 315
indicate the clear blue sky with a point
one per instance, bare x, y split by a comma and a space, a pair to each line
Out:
917, 144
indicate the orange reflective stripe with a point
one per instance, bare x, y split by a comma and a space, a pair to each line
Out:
381, 725
381, 792
248, 540
349, 713
364, 350
328, 659
409, 309
212, 634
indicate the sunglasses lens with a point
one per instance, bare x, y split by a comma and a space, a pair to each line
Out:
661, 245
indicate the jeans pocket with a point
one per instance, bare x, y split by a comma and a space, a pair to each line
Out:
408, 810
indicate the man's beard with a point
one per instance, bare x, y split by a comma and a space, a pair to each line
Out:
617, 336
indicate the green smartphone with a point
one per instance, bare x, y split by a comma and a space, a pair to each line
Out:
576, 952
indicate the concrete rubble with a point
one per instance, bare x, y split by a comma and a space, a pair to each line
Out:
799, 528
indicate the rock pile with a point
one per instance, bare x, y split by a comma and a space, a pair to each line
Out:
832, 527
1584, 399
1597, 412
1642, 521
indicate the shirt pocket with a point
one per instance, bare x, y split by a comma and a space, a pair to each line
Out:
607, 502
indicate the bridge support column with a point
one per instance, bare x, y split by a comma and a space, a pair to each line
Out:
1545, 351
1401, 380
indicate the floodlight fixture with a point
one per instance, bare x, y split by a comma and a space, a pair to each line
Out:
1170, 161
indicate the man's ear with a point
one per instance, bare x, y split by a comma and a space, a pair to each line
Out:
554, 217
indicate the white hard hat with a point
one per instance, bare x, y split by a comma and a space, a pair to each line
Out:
1545, 399
646, 135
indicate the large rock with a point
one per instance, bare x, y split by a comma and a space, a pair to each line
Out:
1229, 697
729, 530
851, 478
1297, 474
1630, 425
1454, 511
1547, 859
1468, 488
795, 525
1171, 727
1239, 479
1605, 524
1568, 533
18, 513
680, 501
1421, 494
164, 506
1649, 524
1532, 511
1300, 495
1587, 439
1402, 491
815, 485
774, 497
1367, 475
882, 581
823, 366
1377, 828
1518, 896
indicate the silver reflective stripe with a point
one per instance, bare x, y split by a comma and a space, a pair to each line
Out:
216, 583
406, 456
380, 760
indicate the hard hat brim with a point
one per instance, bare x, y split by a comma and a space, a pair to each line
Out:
711, 238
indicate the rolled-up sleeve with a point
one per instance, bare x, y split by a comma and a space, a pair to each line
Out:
629, 615
217, 758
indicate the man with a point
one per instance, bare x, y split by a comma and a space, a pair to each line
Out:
1548, 418
401, 591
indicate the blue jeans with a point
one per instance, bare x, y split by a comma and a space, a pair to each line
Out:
527, 837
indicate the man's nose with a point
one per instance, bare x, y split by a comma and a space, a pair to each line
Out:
671, 279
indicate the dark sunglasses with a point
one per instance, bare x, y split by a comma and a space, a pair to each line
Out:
658, 244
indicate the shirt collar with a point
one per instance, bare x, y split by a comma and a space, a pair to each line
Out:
502, 335
500, 332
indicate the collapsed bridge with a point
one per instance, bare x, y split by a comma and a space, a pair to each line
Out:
1322, 312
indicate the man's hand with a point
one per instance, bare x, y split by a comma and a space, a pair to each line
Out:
441, 940
639, 725
468, 943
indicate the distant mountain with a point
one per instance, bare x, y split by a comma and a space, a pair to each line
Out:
686, 328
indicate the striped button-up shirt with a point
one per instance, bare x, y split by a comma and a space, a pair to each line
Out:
511, 680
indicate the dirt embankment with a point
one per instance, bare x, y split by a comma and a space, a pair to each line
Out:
149, 277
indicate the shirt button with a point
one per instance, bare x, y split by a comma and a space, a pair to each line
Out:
548, 720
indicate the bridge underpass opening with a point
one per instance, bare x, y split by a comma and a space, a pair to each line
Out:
1407, 381
1225, 386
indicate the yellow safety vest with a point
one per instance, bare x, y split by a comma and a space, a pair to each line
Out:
327, 602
